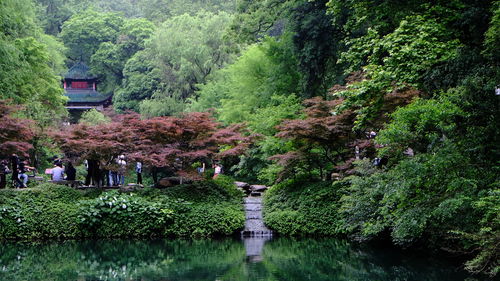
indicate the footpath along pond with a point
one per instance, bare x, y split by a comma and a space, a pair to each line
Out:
226, 259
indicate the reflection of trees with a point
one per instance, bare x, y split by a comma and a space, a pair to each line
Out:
119, 260
331, 259
161, 260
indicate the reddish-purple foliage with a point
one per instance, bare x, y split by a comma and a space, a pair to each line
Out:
320, 139
325, 138
172, 142
15, 133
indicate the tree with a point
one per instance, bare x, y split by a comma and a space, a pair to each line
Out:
29, 60
53, 13
160, 10
316, 42
263, 76
171, 142
256, 19
258, 89
319, 141
188, 49
15, 133
85, 31
93, 117
142, 78
109, 60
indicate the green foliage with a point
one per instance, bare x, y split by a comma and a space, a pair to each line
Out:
492, 40
422, 125
164, 106
119, 215
415, 46
317, 44
393, 62
51, 211
388, 200
47, 211
256, 19
261, 77
110, 58
487, 239
93, 117
299, 208
85, 31
429, 196
186, 49
56, 52
141, 79
257, 89
53, 13
29, 61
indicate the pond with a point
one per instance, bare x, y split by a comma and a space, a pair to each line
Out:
227, 259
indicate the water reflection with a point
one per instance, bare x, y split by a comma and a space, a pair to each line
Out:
254, 247
229, 259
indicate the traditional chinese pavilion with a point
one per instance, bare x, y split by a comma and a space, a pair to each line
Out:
81, 89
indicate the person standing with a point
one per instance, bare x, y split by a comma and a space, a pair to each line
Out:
217, 170
138, 170
93, 173
121, 169
70, 172
88, 177
14, 163
4, 170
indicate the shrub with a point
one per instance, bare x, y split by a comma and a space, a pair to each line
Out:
299, 207
52, 211
114, 214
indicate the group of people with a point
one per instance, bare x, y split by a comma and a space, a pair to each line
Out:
60, 172
18, 168
98, 175
216, 166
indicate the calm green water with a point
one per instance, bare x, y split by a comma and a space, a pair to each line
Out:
229, 259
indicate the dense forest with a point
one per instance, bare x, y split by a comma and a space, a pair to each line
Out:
375, 120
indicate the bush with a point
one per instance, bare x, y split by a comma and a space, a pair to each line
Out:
53, 211
299, 207
438, 199
46, 211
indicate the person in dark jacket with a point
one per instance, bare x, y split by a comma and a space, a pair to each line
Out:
70, 172
23, 176
14, 164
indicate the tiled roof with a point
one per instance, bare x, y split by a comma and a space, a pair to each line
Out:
83, 96
79, 71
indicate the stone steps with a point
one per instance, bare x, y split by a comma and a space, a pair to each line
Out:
254, 224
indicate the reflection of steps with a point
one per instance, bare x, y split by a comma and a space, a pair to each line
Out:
254, 247
254, 225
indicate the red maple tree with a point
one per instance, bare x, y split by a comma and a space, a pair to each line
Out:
326, 141
15, 133
170, 142
320, 140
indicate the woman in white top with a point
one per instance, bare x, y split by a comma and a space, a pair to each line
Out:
217, 170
